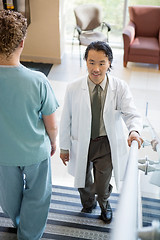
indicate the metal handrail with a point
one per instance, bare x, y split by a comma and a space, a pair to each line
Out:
152, 232
154, 136
153, 132
126, 220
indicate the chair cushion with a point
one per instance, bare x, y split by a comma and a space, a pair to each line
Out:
88, 37
146, 46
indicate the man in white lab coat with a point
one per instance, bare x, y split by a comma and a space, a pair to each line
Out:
106, 149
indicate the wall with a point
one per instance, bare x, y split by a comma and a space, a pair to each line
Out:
62, 20
44, 42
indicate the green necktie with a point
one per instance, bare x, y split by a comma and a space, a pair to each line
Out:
96, 111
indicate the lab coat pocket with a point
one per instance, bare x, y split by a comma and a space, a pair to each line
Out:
118, 121
121, 142
120, 131
73, 148
73, 154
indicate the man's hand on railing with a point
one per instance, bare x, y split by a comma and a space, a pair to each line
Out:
134, 135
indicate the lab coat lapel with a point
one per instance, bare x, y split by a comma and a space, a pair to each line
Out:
110, 95
85, 93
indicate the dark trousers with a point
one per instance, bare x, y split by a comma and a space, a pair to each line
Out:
99, 159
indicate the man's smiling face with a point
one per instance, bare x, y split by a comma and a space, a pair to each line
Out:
97, 65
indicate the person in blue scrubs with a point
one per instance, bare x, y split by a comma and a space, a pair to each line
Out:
28, 132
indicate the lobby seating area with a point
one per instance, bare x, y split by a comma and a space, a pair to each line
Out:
142, 35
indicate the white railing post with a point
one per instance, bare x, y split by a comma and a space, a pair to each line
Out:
126, 218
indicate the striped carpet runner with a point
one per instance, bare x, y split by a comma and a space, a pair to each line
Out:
66, 222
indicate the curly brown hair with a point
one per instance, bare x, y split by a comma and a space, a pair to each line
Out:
13, 28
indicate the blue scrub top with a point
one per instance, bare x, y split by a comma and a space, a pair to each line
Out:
25, 95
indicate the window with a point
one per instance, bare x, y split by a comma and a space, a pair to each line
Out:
113, 12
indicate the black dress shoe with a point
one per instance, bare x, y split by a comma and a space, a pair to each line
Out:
89, 209
106, 215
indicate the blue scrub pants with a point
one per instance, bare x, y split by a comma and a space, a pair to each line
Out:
25, 194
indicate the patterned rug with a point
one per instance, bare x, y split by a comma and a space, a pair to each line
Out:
66, 222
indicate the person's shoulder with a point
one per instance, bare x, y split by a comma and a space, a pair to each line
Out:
117, 81
33, 74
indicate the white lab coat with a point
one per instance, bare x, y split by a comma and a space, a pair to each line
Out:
75, 126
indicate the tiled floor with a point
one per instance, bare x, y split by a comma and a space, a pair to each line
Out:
144, 82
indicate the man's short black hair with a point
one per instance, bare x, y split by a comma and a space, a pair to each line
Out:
100, 46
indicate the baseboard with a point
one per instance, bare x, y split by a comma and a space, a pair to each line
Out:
40, 59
